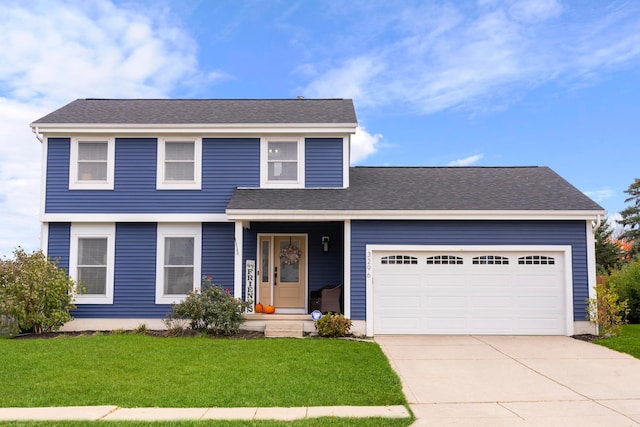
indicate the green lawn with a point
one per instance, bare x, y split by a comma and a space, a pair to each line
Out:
145, 371
628, 341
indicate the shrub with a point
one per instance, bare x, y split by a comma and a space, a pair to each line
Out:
607, 311
211, 309
35, 294
627, 282
333, 325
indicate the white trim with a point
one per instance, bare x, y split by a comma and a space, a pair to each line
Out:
591, 259
237, 260
177, 230
107, 231
74, 182
347, 269
325, 215
565, 249
196, 128
44, 237
346, 160
264, 162
43, 175
161, 183
133, 217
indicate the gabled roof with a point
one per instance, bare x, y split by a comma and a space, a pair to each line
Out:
202, 111
422, 189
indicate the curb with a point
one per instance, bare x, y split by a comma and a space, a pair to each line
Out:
112, 413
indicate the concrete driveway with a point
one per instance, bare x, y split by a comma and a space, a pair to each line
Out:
514, 381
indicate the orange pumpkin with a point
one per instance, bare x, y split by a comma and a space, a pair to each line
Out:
269, 309
259, 308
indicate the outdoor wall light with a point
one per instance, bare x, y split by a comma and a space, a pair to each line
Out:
325, 243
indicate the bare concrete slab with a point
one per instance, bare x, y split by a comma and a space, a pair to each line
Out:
230, 414
56, 413
515, 380
358, 411
156, 414
284, 414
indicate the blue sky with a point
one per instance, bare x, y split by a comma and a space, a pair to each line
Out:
483, 83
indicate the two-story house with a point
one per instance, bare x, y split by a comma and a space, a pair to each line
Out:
142, 197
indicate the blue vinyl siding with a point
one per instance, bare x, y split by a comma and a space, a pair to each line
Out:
324, 268
227, 163
135, 267
134, 290
218, 251
323, 162
468, 233
58, 243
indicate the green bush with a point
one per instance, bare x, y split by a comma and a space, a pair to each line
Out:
607, 311
35, 294
211, 309
627, 282
333, 325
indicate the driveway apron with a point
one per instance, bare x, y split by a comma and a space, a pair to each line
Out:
514, 380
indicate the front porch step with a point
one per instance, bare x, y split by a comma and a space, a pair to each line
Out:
282, 329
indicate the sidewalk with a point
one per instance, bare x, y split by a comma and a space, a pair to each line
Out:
111, 413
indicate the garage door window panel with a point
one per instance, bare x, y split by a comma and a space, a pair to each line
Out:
399, 259
490, 260
536, 260
444, 260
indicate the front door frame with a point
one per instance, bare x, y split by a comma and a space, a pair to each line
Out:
272, 263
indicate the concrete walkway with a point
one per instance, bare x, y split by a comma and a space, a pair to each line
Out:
515, 381
111, 413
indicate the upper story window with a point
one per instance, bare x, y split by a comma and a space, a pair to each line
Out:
282, 162
179, 164
91, 262
92, 163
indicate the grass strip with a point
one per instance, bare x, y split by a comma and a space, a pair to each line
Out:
628, 341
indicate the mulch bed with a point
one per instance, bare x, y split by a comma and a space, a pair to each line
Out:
585, 337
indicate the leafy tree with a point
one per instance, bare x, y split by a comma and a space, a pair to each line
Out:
631, 217
607, 251
35, 294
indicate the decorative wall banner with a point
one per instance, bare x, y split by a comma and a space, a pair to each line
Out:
250, 280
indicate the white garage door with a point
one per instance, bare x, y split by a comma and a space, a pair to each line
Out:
465, 292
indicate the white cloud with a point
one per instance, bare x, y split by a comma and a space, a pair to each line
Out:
432, 58
54, 52
346, 81
531, 11
467, 161
601, 194
363, 144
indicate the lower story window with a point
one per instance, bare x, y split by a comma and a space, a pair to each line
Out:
91, 262
178, 261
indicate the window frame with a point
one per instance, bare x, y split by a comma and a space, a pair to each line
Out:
78, 184
107, 231
177, 230
161, 183
264, 163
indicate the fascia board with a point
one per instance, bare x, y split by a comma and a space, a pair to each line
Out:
235, 128
283, 215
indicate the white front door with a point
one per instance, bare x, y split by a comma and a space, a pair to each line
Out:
282, 272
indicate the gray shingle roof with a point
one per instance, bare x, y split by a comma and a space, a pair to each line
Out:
202, 111
429, 188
